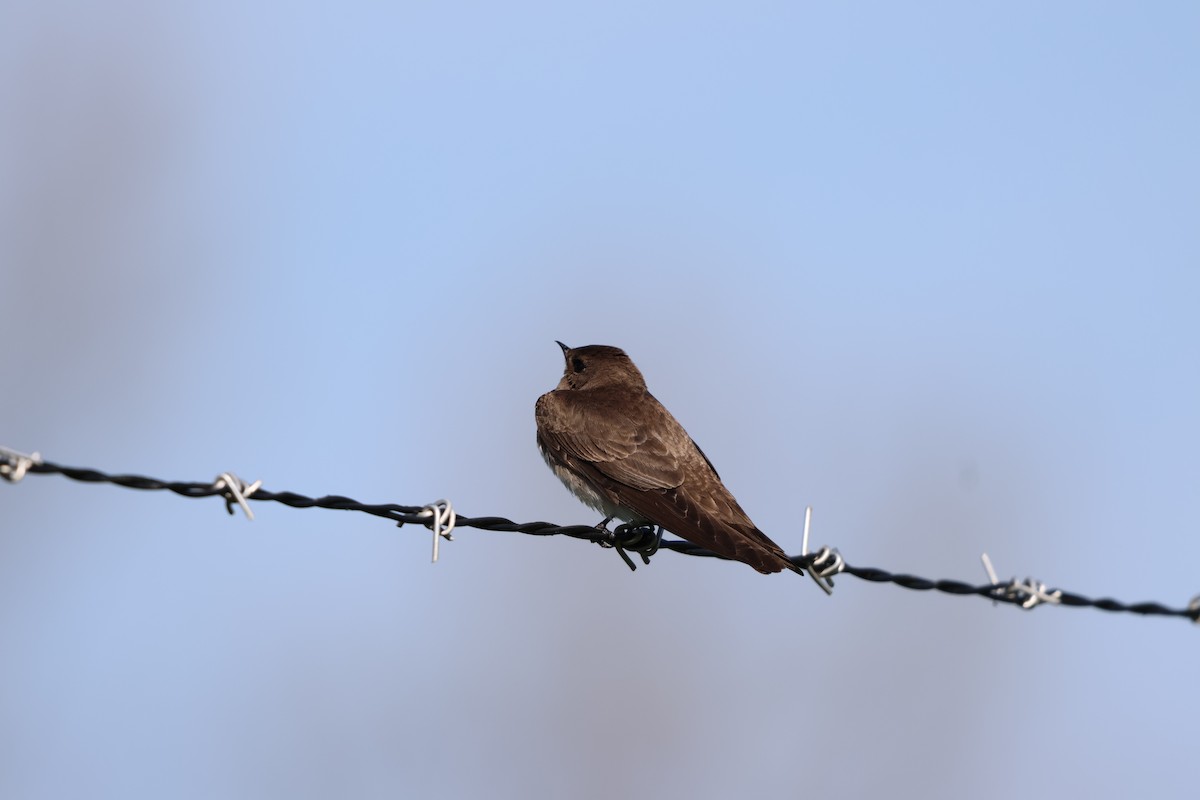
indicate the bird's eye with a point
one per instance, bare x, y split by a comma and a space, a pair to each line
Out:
577, 364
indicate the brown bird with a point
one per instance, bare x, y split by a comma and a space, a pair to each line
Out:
618, 450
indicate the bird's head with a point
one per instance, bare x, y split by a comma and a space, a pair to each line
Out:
598, 366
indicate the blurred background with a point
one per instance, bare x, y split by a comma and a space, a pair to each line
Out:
932, 269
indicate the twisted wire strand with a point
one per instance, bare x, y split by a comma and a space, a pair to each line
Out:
624, 537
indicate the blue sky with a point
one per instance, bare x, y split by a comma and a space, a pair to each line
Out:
933, 270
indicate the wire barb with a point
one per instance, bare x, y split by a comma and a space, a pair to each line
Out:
14, 465
991, 573
235, 490
441, 519
825, 563
642, 538
1027, 594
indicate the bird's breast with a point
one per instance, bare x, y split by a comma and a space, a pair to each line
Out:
582, 488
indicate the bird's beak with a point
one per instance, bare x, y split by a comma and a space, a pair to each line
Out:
563, 346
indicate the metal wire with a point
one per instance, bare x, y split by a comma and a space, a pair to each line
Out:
825, 562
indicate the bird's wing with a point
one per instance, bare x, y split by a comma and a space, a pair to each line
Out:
579, 427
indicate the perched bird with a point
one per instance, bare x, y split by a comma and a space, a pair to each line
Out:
618, 450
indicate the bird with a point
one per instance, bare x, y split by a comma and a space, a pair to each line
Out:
621, 452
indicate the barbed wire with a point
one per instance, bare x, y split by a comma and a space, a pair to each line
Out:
441, 518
